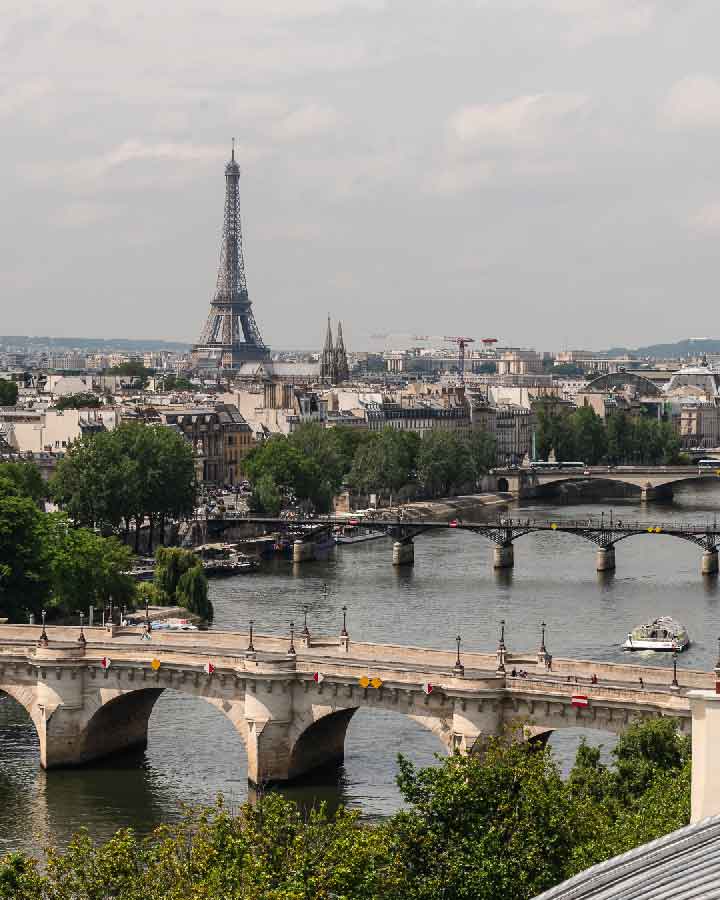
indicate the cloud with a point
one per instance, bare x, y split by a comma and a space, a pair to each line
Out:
308, 121
707, 219
693, 103
590, 20
18, 97
520, 122
81, 214
459, 178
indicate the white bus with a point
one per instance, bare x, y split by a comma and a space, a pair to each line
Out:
709, 464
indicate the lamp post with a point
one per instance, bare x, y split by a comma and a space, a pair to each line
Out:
543, 626
81, 638
459, 668
251, 646
675, 684
344, 633
147, 615
43, 641
291, 648
501, 648
306, 630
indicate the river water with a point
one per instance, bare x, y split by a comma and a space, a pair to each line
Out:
194, 753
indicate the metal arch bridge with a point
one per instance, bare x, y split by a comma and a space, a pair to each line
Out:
603, 531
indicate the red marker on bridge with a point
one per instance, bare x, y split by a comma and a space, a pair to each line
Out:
427, 687
208, 668
105, 662
318, 677
579, 700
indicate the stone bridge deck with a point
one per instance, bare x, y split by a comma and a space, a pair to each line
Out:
292, 709
653, 482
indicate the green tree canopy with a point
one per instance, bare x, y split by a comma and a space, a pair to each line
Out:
8, 392
86, 400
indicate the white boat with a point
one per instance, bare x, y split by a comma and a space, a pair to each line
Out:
663, 633
173, 625
355, 534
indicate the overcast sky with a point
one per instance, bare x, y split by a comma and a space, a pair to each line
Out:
546, 172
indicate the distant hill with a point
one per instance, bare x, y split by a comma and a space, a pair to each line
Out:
687, 347
96, 344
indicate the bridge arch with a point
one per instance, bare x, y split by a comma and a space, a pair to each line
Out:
24, 695
318, 732
120, 723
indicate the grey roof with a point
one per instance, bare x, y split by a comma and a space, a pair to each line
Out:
682, 865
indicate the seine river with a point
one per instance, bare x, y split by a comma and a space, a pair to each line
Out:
193, 752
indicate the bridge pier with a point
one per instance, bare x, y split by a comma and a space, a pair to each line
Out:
649, 493
605, 559
709, 562
303, 551
503, 556
403, 553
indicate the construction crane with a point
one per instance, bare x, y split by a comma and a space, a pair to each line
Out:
462, 342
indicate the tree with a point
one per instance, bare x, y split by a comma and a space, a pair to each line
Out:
86, 400
192, 593
266, 498
589, 435
8, 392
445, 463
24, 562
482, 827
171, 563
483, 449
26, 478
133, 473
86, 569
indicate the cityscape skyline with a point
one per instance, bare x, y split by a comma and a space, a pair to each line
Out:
492, 156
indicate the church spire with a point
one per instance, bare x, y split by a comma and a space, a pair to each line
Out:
327, 360
342, 372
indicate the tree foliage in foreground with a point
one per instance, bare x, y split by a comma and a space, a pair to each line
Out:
504, 824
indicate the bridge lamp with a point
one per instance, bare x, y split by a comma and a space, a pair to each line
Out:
459, 668
543, 626
147, 614
291, 648
250, 646
81, 638
43, 641
344, 633
674, 678
306, 630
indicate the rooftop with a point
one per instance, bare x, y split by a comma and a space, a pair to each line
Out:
682, 865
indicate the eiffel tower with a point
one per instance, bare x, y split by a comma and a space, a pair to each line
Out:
230, 336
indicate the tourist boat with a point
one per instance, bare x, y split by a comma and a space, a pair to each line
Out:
663, 633
173, 625
352, 533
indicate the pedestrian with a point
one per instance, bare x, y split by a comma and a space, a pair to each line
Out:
642, 683
513, 673
593, 680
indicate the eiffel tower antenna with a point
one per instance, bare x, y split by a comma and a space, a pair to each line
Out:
231, 335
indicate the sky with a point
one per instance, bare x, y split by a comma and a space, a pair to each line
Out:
544, 172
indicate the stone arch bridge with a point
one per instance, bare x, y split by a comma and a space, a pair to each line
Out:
651, 482
291, 699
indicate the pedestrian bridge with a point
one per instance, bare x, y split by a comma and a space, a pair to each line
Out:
652, 482
90, 694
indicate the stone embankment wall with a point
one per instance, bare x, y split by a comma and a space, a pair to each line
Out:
468, 508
